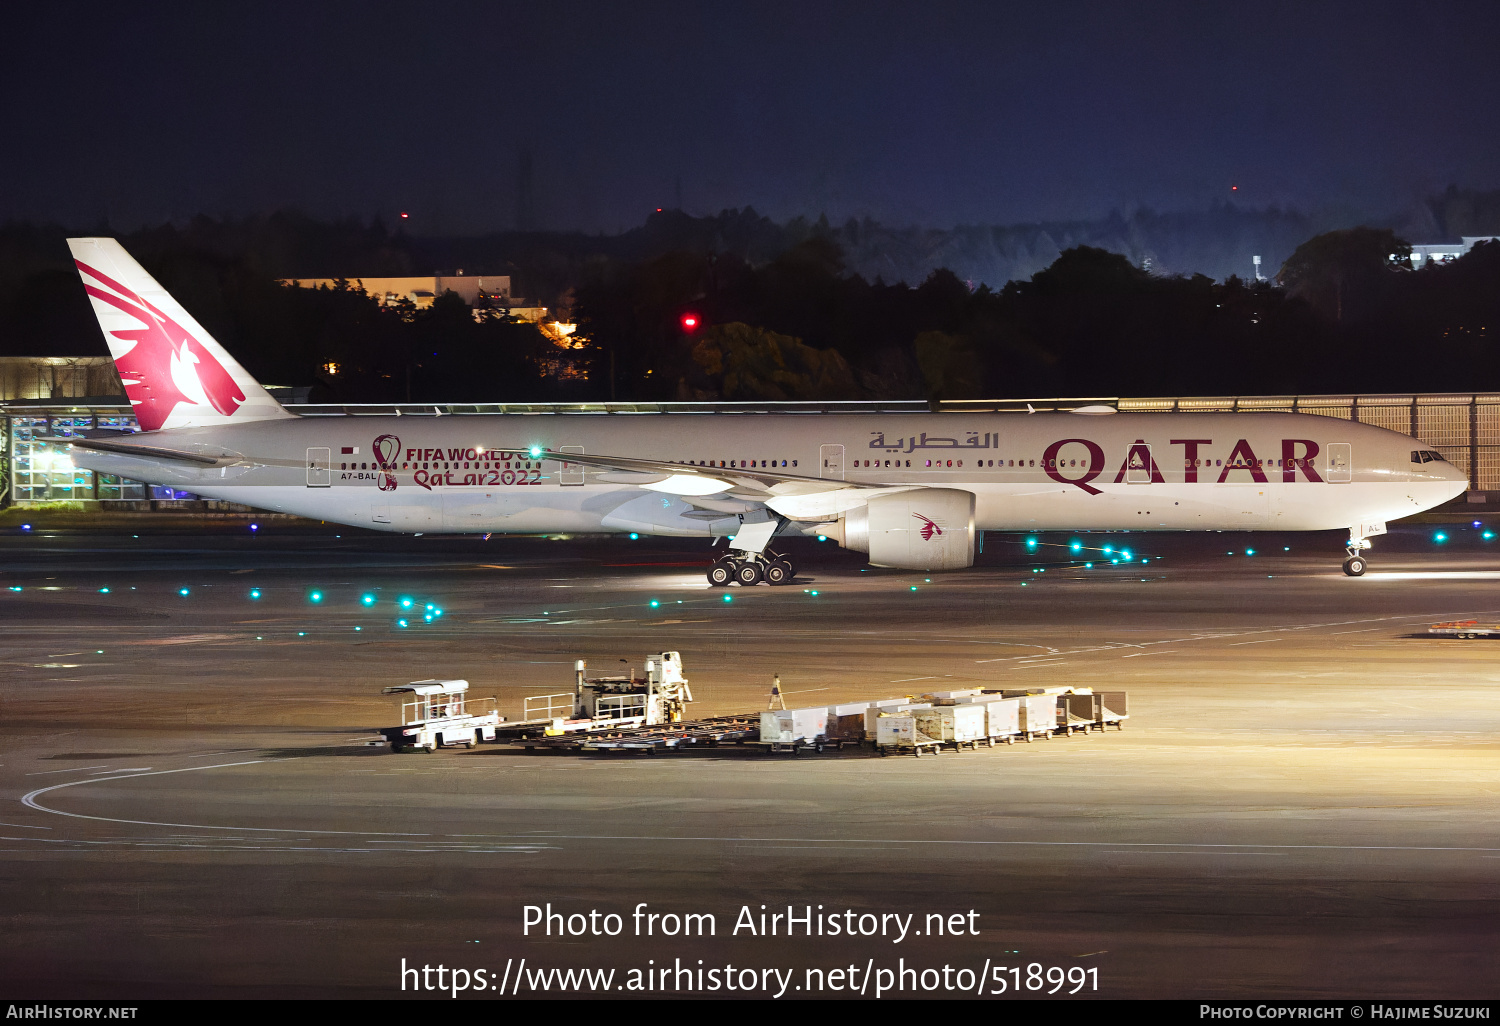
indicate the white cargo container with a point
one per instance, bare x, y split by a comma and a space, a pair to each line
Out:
875, 708
785, 726
957, 725
1038, 715
964, 693
899, 732
1002, 719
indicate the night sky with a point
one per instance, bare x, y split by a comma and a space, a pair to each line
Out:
921, 113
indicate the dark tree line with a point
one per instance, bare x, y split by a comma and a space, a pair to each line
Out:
780, 316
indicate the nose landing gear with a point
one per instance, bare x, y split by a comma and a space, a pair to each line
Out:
1359, 540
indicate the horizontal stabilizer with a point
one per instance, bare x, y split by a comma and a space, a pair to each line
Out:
150, 452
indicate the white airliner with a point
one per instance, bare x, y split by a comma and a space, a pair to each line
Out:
910, 490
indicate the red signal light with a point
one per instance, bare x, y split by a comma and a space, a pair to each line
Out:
690, 322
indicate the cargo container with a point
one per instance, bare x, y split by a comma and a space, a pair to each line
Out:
1113, 709
1077, 713
1002, 719
847, 722
957, 725
1038, 715
899, 732
875, 708
784, 725
937, 696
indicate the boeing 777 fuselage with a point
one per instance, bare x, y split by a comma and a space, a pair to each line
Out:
911, 490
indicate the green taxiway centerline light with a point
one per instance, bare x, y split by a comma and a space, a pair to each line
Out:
255, 593
104, 591
728, 598
405, 602
183, 591
1088, 566
368, 600
814, 593
1440, 537
634, 536
1249, 552
316, 596
913, 587
655, 604
822, 537
1488, 535
400, 623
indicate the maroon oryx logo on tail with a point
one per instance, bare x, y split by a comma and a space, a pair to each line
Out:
929, 528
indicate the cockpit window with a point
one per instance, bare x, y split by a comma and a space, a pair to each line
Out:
1426, 456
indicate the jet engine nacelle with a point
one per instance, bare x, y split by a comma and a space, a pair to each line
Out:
923, 529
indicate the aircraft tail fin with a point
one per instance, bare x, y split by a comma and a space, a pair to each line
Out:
175, 374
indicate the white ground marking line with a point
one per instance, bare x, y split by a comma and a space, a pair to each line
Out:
1262, 641
1221, 636
30, 801
1364, 630
910, 841
908, 680
125, 769
25, 826
70, 769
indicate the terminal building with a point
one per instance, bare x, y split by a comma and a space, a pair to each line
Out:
34, 471
481, 292
1442, 253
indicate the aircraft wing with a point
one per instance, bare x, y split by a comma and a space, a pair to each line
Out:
796, 496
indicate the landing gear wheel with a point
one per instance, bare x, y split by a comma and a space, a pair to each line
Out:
721, 572
748, 574
1354, 566
779, 572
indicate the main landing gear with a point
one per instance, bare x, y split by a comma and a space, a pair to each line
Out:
1354, 566
749, 569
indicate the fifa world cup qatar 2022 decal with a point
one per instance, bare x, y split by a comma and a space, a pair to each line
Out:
451, 467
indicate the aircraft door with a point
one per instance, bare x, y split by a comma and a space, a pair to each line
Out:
1340, 463
570, 473
832, 458
1138, 464
319, 467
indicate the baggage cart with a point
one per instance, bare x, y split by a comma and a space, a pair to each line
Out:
1002, 719
846, 723
791, 730
956, 725
898, 732
1077, 714
1037, 715
1465, 629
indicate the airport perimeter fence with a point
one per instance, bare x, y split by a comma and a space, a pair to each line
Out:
1464, 427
